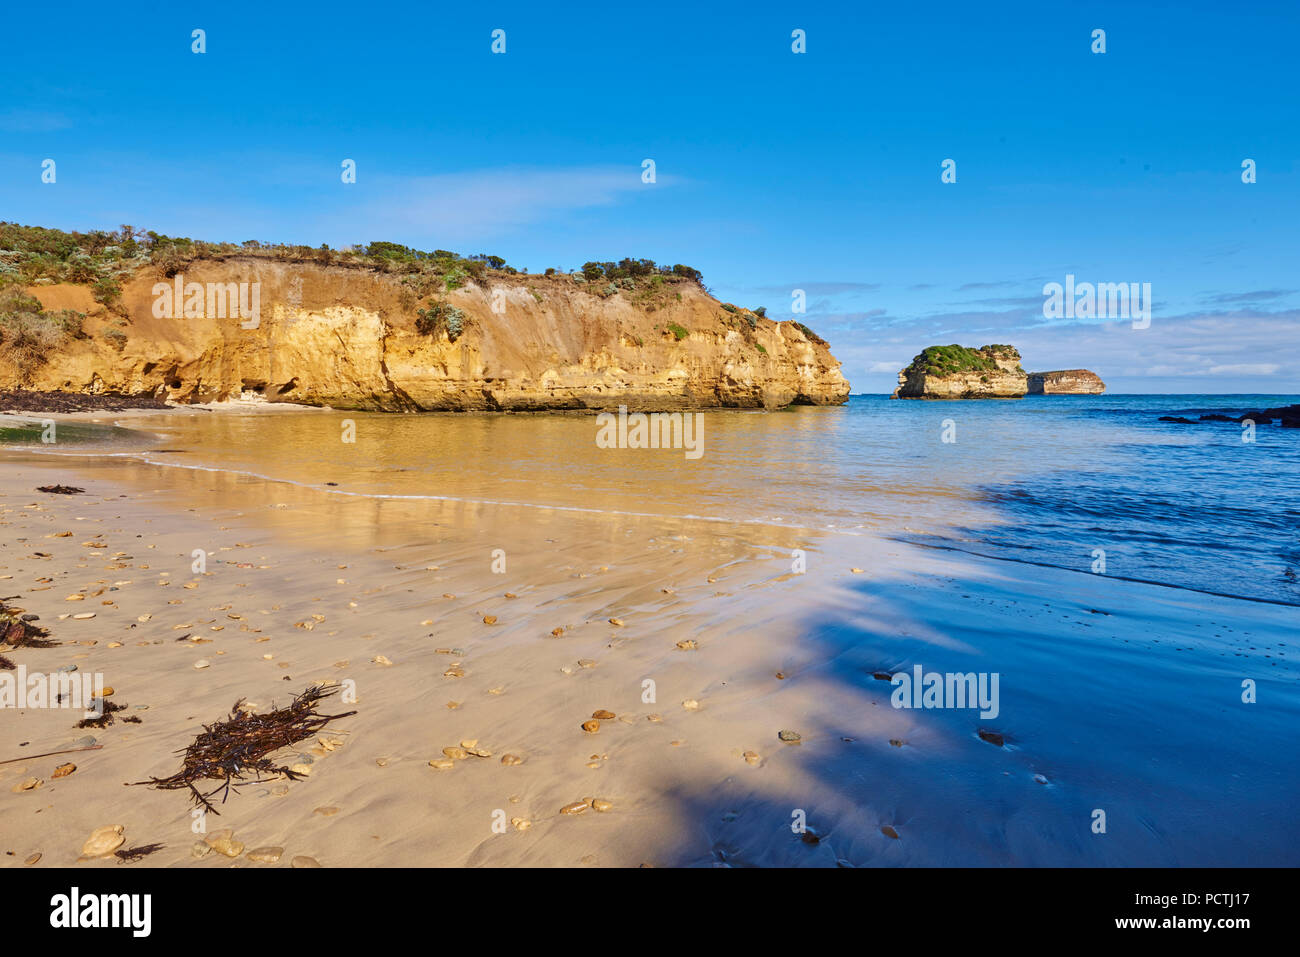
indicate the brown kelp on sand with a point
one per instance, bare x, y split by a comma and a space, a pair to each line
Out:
229, 750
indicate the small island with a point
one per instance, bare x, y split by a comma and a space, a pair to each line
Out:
989, 372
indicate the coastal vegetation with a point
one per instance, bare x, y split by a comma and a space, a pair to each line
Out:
31, 255
955, 359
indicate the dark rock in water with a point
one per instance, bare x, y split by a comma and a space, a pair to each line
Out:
992, 737
1259, 418
1176, 418
889, 832
882, 676
1217, 417
22, 400
811, 836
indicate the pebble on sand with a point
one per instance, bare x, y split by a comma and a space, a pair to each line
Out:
511, 760
223, 842
489, 619
521, 823
442, 764
617, 622
33, 859
591, 726
687, 644
202, 663
28, 784
103, 841
789, 737
304, 861
577, 807
603, 715
266, 855
63, 770
751, 757
690, 704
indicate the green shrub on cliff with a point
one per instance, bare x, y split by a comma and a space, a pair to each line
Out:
440, 317
954, 360
28, 334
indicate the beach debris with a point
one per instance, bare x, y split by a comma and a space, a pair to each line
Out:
489, 619
229, 751
223, 842
789, 737
992, 737
617, 622
33, 859
888, 831
60, 490
103, 841
687, 644
603, 715
520, 823
132, 854
591, 726
266, 855
63, 770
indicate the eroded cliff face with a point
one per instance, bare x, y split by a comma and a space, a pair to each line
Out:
1066, 382
346, 337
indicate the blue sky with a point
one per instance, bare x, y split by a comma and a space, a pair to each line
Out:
775, 171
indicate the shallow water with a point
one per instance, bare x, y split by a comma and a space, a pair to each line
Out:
1056, 480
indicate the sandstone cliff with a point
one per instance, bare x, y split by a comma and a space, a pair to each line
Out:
347, 337
1066, 382
957, 372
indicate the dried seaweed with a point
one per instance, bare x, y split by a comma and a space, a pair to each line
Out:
105, 718
229, 751
16, 632
61, 490
131, 855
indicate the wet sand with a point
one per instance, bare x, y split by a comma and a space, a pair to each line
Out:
1115, 695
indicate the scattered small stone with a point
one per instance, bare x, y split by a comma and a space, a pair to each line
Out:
455, 753
33, 859
600, 804
751, 757
687, 644
603, 715
690, 704
591, 727
202, 663
888, 831
381, 660
489, 619
304, 861
617, 622
442, 764
992, 737
103, 841
28, 784
266, 855
63, 770
200, 849
577, 807
323, 812
521, 823
511, 760
789, 737
223, 842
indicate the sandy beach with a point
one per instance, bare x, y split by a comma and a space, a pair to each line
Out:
697, 636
